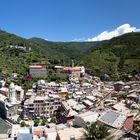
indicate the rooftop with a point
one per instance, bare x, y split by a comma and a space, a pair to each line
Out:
112, 118
87, 102
36, 67
2, 98
91, 98
72, 69
89, 116
121, 108
66, 133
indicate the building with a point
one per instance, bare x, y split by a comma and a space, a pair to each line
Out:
70, 133
8, 110
121, 107
66, 112
88, 103
81, 120
38, 105
4, 91
112, 118
24, 134
74, 72
16, 93
63, 92
38, 71
10, 102
118, 85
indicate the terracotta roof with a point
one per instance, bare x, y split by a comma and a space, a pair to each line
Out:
38, 132
72, 68
128, 124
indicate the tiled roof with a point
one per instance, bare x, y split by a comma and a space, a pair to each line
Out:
38, 132
128, 124
72, 68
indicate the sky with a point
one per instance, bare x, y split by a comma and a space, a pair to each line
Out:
70, 20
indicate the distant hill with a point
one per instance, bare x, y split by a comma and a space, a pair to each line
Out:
65, 51
116, 57
15, 60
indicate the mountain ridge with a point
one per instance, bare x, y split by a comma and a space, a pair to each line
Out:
118, 56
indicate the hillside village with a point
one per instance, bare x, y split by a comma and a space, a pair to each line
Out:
69, 70
61, 110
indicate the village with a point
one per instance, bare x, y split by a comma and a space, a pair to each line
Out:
61, 110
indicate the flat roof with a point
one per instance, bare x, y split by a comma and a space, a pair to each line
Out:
87, 102
112, 118
66, 133
78, 92
4, 89
79, 107
41, 98
37, 67
72, 102
121, 108
89, 116
92, 98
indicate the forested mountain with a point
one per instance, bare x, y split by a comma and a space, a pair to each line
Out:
65, 51
116, 57
17, 60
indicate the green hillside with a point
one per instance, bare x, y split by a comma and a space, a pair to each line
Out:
17, 60
116, 57
65, 51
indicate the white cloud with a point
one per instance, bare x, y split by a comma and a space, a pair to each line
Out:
106, 35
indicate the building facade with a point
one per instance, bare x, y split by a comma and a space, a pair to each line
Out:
38, 71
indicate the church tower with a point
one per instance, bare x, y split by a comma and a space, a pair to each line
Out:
12, 94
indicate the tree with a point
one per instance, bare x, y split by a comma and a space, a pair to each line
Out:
49, 78
97, 132
23, 124
58, 79
137, 130
53, 120
44, 120
36, 122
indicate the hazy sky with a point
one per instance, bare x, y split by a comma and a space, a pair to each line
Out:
66, 20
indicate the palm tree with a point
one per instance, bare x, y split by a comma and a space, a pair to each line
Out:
97, 132
137, 130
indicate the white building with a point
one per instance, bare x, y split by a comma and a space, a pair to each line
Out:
16, 94
85, 118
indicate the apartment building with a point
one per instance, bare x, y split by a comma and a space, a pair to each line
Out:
39, 105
